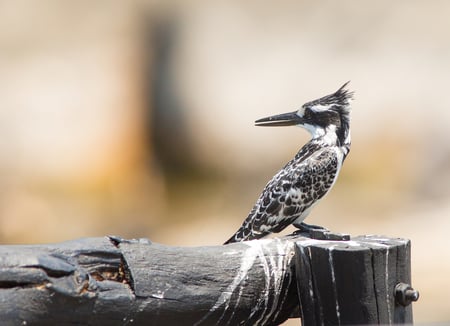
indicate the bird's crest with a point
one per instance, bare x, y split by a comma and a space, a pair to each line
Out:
341, 98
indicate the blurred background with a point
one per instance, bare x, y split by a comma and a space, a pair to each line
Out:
136, 118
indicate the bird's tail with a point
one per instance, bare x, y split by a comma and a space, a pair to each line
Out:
244, 235
232, 240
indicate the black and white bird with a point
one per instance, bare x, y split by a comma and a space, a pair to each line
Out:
291, 194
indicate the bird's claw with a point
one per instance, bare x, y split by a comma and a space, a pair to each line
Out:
319, 233
303, 227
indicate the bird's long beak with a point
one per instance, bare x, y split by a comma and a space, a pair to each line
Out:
285, 119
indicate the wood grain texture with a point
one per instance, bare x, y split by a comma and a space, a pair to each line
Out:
106, 281
352, 282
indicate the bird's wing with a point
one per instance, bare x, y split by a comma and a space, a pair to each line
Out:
293, 190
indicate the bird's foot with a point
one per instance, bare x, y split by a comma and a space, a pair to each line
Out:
306, 230
303, 227
319, 233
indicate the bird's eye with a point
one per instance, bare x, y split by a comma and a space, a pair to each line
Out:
307, 113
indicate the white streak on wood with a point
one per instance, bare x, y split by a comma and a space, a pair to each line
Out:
386, 271
274, 268
265, 294
158, 295
241, 289
386, 281
310, 283
333, 279
285, 262
247, 261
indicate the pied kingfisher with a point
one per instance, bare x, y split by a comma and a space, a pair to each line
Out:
290, 195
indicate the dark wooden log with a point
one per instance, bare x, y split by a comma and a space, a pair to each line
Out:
249, 283
110, 281
353, 282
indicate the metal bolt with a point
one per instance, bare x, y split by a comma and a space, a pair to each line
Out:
405, 294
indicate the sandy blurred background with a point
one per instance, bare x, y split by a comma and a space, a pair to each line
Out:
136, 118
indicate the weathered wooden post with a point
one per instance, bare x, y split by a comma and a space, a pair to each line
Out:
361, 281
111, 281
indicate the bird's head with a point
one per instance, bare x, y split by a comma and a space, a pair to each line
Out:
328, 116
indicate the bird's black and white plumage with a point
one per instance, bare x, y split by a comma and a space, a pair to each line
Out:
289, 196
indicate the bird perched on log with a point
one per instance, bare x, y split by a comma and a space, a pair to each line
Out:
290, 195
